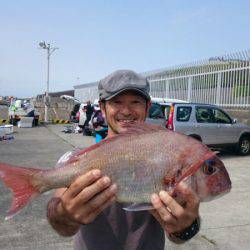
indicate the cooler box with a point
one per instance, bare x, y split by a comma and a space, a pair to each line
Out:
25, 122
6, 129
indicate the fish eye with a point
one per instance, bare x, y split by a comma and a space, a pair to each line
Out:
208, 167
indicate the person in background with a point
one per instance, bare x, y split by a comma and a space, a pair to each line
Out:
88, 207
89, 111
99, 125
81, 115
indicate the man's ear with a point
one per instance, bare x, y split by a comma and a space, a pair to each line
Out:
102, 107
149, 103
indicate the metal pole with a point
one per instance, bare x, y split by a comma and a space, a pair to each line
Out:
48, 70
218, 90
189, 97
167, 88
47, 90
50, 50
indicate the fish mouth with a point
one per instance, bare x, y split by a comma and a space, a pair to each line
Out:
217, 195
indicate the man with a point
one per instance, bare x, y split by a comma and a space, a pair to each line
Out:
87, 209
89, 112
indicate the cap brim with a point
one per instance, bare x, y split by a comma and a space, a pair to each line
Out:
139, 91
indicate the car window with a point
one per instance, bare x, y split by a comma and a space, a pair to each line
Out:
220, 116
183, 114
204, 115
155, 111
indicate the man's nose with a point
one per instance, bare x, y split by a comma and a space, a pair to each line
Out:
126, 110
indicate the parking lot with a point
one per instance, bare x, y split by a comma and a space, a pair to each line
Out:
225, 221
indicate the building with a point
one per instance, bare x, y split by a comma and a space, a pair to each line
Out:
85, 92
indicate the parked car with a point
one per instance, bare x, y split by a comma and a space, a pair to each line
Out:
74, 116
204, 122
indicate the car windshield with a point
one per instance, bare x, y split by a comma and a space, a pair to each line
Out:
156, 111
159, 110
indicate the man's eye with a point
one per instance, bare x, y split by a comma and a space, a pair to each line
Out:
137, 103
116, 102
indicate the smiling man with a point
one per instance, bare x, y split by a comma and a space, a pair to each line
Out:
123, 98
87, 209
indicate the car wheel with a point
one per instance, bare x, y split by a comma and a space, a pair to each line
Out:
196, 137
244, 146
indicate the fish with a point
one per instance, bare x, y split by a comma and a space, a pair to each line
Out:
142, 160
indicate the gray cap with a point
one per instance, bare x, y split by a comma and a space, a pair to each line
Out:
120, 81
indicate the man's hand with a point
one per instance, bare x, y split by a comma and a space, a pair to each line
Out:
87, 197
172, 216
82, 202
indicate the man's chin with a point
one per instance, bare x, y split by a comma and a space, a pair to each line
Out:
121, 129
123, 126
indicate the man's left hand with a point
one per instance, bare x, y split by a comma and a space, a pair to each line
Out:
172, 216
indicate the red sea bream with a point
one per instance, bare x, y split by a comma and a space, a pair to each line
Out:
142, 161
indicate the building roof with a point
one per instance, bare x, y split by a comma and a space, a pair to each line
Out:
86, 85
58, 94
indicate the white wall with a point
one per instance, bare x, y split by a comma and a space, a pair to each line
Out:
87, 93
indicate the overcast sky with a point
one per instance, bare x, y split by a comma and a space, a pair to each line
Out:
97, 37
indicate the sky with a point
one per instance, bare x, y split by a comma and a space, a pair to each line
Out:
95, 38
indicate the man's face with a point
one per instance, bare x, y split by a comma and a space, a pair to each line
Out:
124, 108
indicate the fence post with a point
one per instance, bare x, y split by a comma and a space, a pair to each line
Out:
218, 89
167, 88
190, 80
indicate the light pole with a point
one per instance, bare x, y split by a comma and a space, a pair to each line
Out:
50, 50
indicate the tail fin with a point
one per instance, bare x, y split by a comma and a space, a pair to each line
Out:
19, 180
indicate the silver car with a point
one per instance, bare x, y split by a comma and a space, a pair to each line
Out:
205, 122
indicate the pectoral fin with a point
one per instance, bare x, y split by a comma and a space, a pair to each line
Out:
139, 207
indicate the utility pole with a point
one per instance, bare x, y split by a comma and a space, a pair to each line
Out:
50, 50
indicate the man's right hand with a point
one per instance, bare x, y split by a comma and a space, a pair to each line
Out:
83, 201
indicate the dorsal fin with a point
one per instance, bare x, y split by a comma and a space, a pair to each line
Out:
141, 128
72, 156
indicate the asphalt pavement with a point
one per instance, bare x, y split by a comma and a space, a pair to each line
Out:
225, 221
39, 147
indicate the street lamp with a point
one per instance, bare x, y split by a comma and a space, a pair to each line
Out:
50, 50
